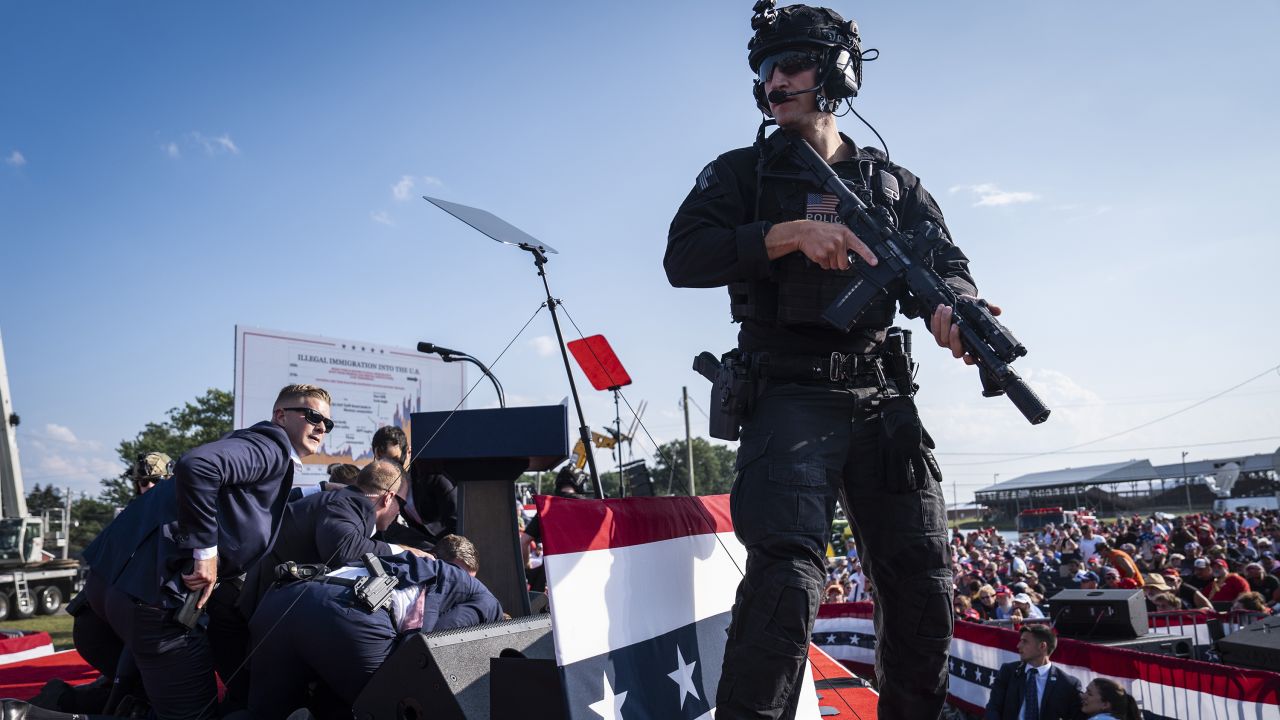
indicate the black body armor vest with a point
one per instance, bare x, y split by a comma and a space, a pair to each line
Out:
800, 290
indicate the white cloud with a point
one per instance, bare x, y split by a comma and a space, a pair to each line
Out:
988, 195
171, 149
16, 159
383, 218
219, 145
403, 187
54, 455
543, 345
61, 433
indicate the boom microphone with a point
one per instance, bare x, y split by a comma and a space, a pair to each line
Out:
778, 96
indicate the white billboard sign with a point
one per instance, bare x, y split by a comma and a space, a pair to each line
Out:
371, 385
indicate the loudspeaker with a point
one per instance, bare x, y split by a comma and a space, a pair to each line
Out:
1179, 646
1253, 646
639, 482
446, 675
1093, 614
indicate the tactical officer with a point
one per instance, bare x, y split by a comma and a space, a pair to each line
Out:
149, 469
830, 413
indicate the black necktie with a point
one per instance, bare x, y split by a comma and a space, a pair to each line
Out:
1031, 698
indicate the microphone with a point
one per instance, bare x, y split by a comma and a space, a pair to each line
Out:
430, 349
778, 96
454, 356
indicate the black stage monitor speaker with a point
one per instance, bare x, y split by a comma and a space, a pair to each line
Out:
1179, 646
446, 675
1253, 646
1094, 614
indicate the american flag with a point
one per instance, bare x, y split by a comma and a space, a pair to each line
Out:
821, 206
641, 591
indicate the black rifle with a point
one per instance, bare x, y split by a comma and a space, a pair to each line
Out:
904, 257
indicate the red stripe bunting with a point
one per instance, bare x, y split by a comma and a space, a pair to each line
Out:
22, 643
581, 525
1225, 681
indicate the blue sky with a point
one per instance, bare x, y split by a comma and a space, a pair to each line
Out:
170, 170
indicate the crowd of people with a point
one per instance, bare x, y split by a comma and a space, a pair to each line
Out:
1213, 561
1202, 562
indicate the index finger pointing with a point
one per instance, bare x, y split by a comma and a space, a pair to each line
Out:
853, 243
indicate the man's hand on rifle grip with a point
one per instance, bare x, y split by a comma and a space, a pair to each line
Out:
827, 244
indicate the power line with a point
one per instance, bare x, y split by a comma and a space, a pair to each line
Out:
1119, 450
1149, 423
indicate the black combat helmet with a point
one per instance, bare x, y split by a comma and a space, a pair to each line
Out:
800, 35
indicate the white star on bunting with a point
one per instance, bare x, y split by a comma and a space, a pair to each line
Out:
610, 706
683, 676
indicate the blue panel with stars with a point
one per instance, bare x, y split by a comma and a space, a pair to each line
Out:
669, 677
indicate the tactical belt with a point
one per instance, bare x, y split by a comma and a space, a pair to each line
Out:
839, 368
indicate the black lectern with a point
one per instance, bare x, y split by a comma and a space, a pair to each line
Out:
484, 452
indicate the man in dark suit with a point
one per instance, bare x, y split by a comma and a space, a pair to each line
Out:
1033, 688
216, 518
318, 631
333, 528
430, 509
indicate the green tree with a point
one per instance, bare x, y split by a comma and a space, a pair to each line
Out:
43, 498
204, 420
713, 470
90, 516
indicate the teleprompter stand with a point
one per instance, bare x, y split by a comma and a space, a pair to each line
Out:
508, 234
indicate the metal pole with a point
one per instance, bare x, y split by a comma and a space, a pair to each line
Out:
583, 432
617, 443
1186, 481
688, 439
66, 528
955, 501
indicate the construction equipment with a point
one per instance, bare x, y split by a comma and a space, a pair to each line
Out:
33, 578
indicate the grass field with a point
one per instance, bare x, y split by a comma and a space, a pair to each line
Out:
58, 626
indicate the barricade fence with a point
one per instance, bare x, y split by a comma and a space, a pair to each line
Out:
1165, 687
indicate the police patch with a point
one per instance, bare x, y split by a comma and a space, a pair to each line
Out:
707, 178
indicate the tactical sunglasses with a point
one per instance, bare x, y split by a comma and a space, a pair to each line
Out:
789, 62
314, 417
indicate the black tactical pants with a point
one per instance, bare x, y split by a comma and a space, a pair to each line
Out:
804, 446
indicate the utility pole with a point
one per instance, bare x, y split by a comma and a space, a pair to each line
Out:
1186, 481
66, 528
688, 439
955, 501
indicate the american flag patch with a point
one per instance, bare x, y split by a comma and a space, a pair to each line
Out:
707, 177
822, 207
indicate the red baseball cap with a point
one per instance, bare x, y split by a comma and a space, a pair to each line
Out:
1220, 562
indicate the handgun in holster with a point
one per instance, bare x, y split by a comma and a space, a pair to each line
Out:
374, 590
732, 390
